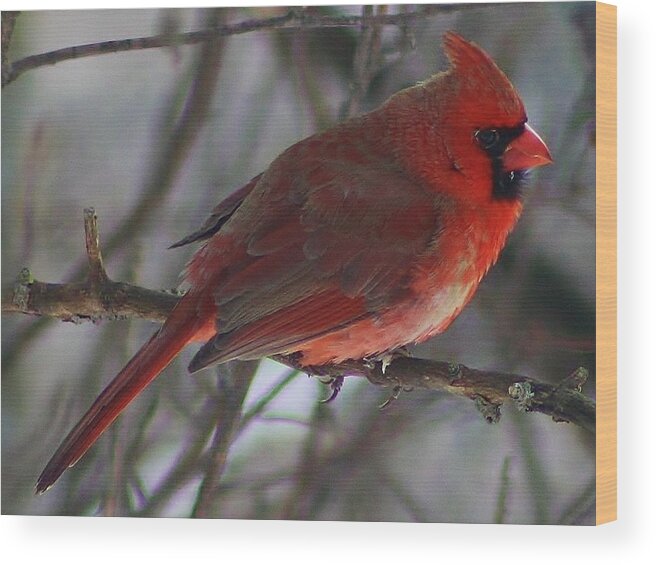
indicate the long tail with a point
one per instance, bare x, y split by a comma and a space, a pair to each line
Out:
179, 330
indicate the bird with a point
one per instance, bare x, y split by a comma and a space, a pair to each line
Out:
356, 241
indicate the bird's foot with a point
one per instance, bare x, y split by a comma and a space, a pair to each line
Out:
335, 384
396, 391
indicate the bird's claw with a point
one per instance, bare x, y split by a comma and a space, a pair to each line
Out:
335, 383
395, 394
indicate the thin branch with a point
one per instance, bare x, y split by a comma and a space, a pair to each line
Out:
263, 402
8, 23
583, 504
97, 274
488, 389
233, 383
179, 143
504, 490
367, 55
186, 465
294, 19
406, 499
305, 498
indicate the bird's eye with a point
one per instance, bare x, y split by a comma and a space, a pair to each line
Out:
487, 138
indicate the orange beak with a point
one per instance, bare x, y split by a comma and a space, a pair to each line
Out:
525, 152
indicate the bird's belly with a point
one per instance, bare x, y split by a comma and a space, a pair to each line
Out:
443, 308
411, 321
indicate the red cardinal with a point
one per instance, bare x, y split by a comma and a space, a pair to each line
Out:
354, 242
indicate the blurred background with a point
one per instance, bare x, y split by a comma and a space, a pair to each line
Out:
153, 139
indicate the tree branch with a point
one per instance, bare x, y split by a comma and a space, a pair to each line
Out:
488, 389
294, 19
101, 298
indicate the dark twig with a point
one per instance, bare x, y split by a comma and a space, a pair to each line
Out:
186, 465
504, 490
367, 55
8, 23
233, 382
97, 274
304, 499
402, 493
294, 19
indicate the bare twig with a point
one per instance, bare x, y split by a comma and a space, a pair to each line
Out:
367, 56
303, 500
8, 22
294, 19
97, 274
262, 403
359, 456
233, 383
307, 75
186, 465
504, 489
488, 389
407, 500
584, 503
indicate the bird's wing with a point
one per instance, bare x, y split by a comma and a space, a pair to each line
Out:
321, 244
220, 215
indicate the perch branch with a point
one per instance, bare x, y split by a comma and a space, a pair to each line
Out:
101, 298
293, 19
488, 389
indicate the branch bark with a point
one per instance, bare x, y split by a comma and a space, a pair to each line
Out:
293, 19
101, 298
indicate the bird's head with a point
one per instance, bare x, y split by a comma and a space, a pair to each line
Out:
483, 122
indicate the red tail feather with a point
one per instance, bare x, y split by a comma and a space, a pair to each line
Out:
147, 364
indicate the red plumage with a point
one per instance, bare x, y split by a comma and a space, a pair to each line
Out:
354, 242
